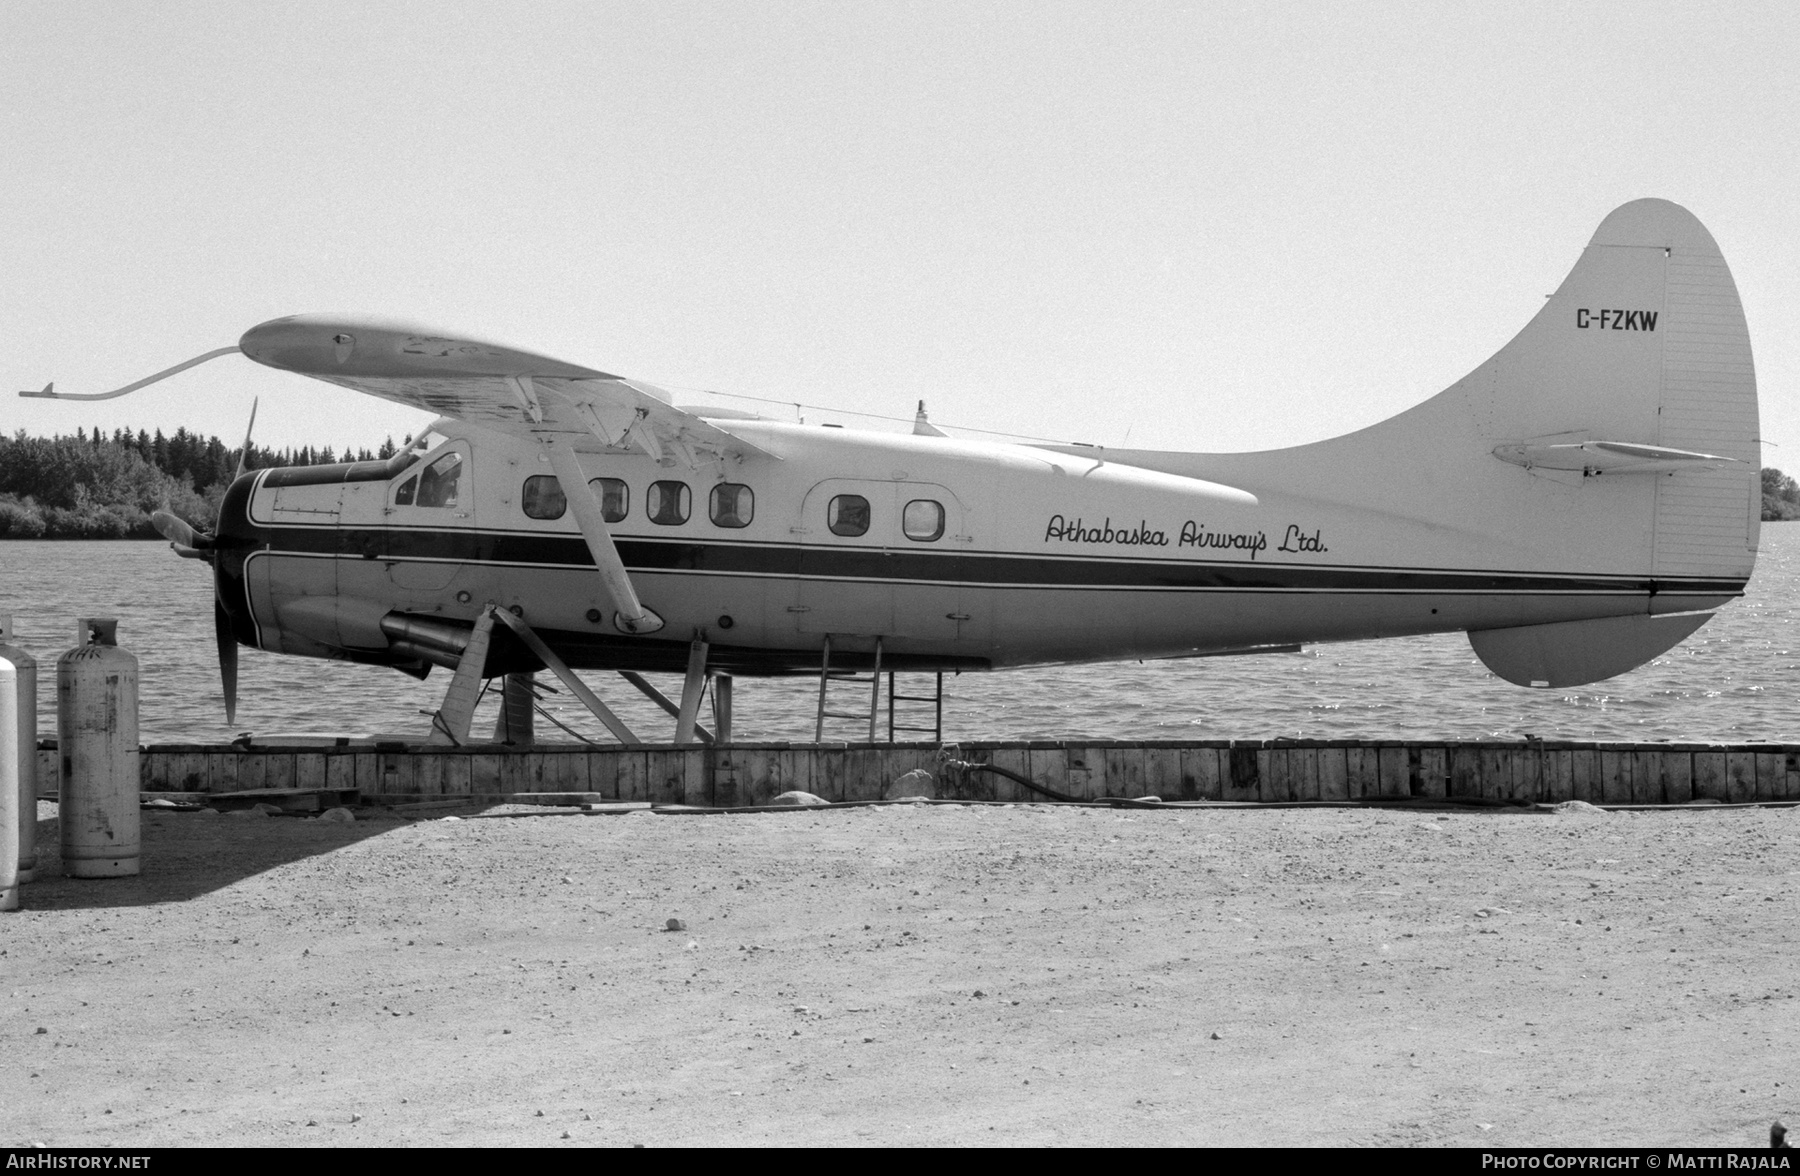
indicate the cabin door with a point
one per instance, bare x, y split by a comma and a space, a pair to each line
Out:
880, 560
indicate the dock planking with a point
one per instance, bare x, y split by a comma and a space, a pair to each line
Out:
1271, 771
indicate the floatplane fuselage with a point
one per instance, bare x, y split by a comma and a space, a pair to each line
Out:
1577, 504
956, 555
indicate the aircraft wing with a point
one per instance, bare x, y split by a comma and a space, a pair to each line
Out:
561, 406
493, 386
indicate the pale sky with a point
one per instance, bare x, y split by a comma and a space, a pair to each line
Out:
1207, 227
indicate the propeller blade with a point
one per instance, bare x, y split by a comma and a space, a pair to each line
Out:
176, 530
244, 453
228, 659
186, 552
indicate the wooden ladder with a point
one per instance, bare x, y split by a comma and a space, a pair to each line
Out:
847, 678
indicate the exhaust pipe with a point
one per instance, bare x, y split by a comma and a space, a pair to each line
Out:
418, 635
425, 653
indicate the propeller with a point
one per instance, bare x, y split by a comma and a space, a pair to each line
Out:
244, 453
189, 543
228, 657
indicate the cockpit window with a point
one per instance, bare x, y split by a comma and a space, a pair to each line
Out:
437, 485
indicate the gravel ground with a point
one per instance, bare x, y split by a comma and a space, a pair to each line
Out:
914, 975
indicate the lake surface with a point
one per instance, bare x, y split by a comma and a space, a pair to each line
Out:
1737, 679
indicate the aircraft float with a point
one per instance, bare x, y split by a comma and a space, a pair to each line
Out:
1578, 504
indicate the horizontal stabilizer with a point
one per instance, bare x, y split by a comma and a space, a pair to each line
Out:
1574, 653
1611, 457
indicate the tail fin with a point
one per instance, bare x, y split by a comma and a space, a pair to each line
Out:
1613, 443
1646, 342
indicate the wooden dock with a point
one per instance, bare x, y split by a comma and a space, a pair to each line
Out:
733, 775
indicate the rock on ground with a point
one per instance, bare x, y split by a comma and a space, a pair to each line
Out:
917, 784
799, 798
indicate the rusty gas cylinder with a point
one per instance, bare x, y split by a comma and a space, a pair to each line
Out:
97, 749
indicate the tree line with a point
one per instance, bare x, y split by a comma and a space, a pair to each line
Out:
1781, 496
92, 486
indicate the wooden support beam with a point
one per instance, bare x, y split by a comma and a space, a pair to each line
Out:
450, 723
515, 722
722, 706
564, 674
660, 699
692, 687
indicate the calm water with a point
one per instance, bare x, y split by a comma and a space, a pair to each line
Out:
1736, 679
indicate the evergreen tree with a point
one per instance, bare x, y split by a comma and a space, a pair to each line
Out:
1780, 496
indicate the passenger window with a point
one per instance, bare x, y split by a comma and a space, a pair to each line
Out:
543, 498
667, 503
437, 485
404, 495
615, 497
923, 520
848, 514
732, 505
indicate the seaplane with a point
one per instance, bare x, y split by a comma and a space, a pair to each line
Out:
1578, 504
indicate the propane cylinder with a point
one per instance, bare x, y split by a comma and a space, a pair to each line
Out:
27, 667
97, 747
9, 787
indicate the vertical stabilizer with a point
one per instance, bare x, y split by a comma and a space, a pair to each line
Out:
1613, 443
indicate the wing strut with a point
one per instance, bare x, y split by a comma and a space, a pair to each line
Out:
629, 614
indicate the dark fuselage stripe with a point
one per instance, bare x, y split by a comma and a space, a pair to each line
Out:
790, 561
